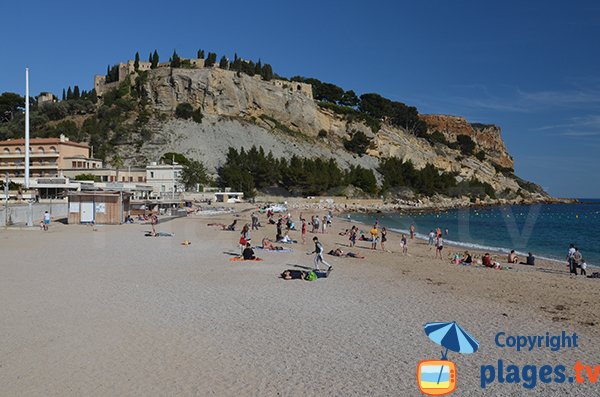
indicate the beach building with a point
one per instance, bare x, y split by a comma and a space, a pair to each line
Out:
165, 180
99, 207
129, 174
48, 157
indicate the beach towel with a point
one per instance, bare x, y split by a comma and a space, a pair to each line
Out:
239, 258
160, 234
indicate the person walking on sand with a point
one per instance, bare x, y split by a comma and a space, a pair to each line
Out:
303, 231
412, 232
319, 255
353, 233
374, 237
316, 224
324, 224
431, 239
404, 244
583, 267
439, 246
254, 218
383, 238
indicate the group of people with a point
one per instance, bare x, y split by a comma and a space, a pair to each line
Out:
576, 261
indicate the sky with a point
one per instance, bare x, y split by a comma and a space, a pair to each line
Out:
530, 67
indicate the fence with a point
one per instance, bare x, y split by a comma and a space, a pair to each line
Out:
18, 213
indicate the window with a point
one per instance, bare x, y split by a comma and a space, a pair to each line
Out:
53, 149
6, 150
73, 164
41, 150
140, 179
130, 179
151, 174
18, 150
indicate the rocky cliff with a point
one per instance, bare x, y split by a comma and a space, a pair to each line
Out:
241, 111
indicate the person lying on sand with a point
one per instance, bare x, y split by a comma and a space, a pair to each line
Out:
230, 228
293, 274
512, 257
339, 252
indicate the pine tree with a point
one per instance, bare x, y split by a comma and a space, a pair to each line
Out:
136, 63
155, 60
267, 72
69, 94
175, 60
76, 94
224, 62
64, 95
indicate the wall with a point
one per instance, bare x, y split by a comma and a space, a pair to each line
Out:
17, 213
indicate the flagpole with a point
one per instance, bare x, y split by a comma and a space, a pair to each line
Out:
26, 128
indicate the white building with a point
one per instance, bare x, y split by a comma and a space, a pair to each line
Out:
165, 179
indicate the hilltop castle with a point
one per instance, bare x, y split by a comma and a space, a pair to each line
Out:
128, 69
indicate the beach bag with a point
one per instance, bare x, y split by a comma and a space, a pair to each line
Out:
243, 241
311, 276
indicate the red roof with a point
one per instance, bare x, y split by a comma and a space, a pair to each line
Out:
42, 141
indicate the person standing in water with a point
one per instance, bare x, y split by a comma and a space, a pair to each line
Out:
412, 232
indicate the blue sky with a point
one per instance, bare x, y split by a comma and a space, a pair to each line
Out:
531, 67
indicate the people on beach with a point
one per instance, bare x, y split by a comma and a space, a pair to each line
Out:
383, 238
577, 257
583, 267
570, 260
431, 238
254, 218
412, 232
512, 257
248, 253
467, 259
439, 246
46, 220
339, 252
530, 260
374, 236
316, 224
303, 230
324, 224
319, 255
404, 244
486, 260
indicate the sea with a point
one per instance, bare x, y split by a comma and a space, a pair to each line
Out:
546, 230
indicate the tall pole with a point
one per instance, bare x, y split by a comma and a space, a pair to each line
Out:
26, 128
173, 167
6, 202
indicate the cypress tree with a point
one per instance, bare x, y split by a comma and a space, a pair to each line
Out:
108, 73
69, 94
64, 95
200, 54
136, 63
150, 57
155, 60
76, 94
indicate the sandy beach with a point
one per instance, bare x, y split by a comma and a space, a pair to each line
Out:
112, 312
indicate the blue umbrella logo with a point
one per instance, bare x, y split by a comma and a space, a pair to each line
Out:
452, 337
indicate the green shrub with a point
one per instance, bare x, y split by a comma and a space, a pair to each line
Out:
184, 111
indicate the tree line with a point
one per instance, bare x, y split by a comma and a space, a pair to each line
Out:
251, 170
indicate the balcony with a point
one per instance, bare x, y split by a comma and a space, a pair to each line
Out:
32, 155
33, 166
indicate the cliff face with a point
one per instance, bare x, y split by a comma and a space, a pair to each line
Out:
242, 111
486, 137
